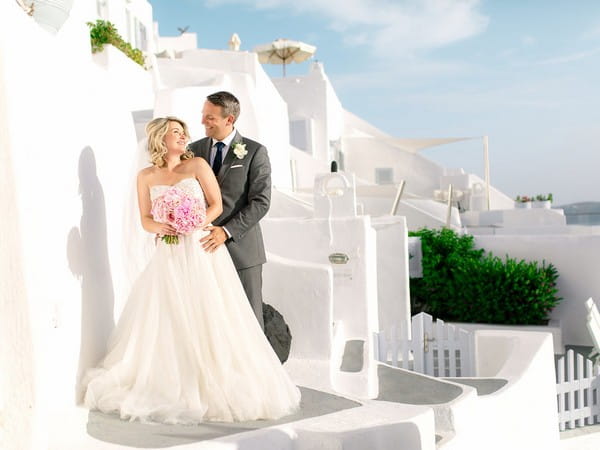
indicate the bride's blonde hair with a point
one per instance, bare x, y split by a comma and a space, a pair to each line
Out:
156, 131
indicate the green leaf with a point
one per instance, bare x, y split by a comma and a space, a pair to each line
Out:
461, 283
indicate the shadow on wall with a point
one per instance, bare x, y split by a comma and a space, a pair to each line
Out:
87, 253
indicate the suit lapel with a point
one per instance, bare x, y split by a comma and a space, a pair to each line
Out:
229, 157
205, 149
201, 149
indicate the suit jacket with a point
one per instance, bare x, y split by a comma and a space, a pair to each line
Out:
246, 191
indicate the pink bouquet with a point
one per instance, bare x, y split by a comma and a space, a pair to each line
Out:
183, 212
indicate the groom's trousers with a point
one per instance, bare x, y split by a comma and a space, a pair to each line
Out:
251, 279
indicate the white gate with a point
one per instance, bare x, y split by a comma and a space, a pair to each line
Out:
578, 388
436, 349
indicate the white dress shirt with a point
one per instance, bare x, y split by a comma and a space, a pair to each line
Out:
226, 141
213, 152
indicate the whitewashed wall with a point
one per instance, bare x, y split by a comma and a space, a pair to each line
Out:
288, 204
366, 147
263, 116
302, 292
521, 414
305, 168
364, 154
527, 404
419, 213
515, 220
354, 294
129, 16
475, 186
68, 146
355, 285
127, 79
393, 297
17, 381
313, 97
173, 44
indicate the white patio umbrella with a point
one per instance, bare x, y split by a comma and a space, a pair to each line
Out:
284, 51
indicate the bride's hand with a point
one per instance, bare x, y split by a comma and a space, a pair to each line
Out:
163, 229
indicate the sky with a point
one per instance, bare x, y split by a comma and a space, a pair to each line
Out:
525, 73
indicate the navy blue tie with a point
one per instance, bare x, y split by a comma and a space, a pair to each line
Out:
218, 161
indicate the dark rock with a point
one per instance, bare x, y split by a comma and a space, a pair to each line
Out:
277, 332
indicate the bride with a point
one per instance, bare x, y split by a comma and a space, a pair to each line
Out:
187, 347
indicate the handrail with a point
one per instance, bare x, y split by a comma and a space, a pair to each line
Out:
399, 193
449, 212
293, 175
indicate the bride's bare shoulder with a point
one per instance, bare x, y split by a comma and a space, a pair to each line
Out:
196, 160
146, 173
196, 163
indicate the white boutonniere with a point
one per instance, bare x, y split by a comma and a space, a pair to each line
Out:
239, 150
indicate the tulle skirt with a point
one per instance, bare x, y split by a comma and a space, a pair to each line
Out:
188, 348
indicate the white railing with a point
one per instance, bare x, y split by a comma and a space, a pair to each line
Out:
443, 350
578, 391
437, 349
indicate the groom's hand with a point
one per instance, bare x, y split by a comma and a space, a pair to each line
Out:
214, 240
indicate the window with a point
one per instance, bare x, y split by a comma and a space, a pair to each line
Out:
301, 134
384, 175
142, 40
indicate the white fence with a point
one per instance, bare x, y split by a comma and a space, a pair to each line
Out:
443, 350
436, 349
578, 388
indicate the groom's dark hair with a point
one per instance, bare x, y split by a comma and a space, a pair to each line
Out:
227, 101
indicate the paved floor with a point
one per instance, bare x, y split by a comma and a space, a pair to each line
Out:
402, 386
484, 386
109, 428
580, 431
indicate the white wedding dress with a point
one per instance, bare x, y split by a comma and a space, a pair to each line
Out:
187, 347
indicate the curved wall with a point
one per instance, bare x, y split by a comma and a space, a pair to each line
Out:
68, 141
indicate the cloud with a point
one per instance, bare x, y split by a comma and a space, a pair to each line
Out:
592, 33
406, 73
489, 99
528, 40
397, 28
567, 58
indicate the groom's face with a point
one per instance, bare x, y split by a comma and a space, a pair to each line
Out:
215, 125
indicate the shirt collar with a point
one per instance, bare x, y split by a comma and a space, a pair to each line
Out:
227, 140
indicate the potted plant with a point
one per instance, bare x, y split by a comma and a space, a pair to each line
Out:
523, 201
103, 32
543, 201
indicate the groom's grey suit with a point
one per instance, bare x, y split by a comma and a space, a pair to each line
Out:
246, 191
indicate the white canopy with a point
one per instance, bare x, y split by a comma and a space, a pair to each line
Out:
415, 145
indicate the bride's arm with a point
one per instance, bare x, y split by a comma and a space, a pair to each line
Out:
145, 206
210, 187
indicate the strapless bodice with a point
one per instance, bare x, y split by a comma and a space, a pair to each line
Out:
189, 185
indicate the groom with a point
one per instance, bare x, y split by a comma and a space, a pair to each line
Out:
243, 171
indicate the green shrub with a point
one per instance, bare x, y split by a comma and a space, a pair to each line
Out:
103, 32
463, 284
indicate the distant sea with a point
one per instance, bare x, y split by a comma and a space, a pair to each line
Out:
583, 213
